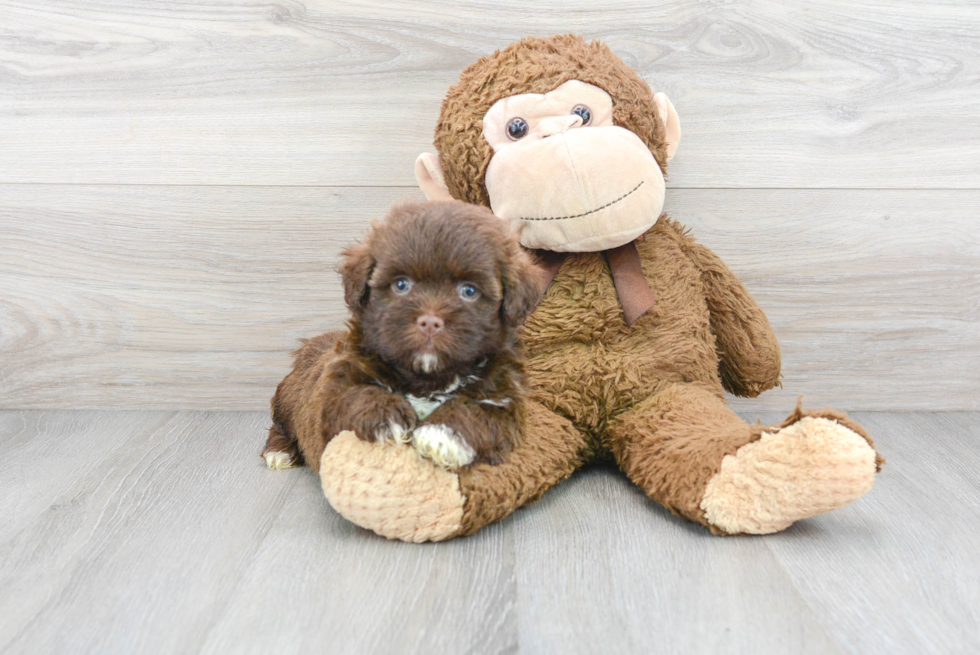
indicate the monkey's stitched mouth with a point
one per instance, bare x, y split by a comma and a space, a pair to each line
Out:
591, 211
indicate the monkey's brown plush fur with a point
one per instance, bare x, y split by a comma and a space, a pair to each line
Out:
535, 66
649, 395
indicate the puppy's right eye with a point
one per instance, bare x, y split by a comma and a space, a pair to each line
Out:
401, 286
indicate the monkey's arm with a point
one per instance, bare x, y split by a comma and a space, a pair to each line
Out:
747, 347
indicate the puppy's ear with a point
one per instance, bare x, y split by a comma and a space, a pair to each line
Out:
523, 282
355, 269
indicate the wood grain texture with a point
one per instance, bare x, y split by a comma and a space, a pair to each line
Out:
337, 588
143, 551
905, 550
771, 94
891, 573
161, 296
601, 568
192, 297
166, 533
46, 453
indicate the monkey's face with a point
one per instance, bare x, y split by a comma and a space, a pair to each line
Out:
572, 179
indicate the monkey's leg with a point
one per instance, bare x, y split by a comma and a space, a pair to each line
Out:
692, 454
388, 488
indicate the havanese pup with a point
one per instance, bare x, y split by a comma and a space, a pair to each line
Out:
436, 292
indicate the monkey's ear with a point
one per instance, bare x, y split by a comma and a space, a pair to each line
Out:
523, 286
671, 122
432, 181
355, 269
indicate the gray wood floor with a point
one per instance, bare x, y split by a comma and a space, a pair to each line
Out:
158, 531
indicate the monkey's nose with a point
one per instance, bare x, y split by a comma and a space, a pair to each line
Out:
430, 324
558, 124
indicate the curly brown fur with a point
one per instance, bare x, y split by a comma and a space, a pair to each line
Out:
364, 380
535, 65
649, 394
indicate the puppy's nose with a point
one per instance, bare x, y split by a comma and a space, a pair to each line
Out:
430, 324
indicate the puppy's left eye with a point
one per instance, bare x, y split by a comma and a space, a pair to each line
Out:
401, 286
468, 291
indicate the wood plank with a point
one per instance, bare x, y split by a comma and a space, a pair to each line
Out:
192, 297
875, 297
141, 553
771, 94
167, 297
181, 541
601, 568
895, 572
319, 583
890, 573
46, 453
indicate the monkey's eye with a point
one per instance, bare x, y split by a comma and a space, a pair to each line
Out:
401, 285
516, 128
468, 291
582, 112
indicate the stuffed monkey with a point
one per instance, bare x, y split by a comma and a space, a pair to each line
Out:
640, 330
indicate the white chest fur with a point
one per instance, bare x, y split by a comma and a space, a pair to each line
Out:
425, 405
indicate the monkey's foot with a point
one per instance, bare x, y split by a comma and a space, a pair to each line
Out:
806, 468
388, 488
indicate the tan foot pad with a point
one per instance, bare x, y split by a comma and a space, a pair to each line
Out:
387, 488
807, 468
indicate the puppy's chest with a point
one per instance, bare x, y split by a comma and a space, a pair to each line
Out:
424, 405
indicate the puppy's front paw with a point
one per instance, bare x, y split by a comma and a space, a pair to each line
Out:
392, 431
390, 420
443, 446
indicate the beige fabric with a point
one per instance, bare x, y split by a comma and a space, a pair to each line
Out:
567, 198
807, 468
387, 488
559, 183
672, 123
428, 173
546, 113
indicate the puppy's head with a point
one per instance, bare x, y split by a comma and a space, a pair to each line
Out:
438, 285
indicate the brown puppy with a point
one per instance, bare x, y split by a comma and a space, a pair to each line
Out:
436, 293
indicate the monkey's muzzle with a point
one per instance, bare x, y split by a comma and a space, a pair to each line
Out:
583, 189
